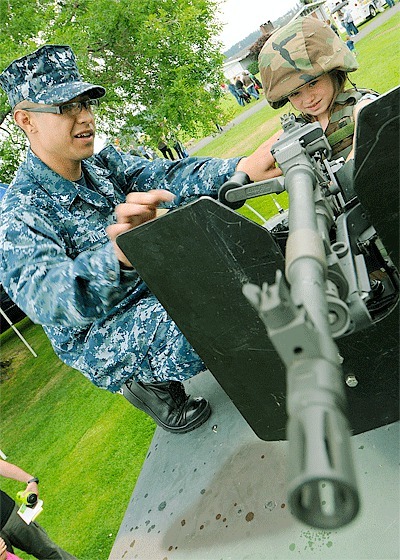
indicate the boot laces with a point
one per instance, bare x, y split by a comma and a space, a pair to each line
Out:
177, 392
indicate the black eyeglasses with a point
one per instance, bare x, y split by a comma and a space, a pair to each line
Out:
71, 109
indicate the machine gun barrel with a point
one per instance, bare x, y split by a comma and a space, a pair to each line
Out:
322, 490
322, 486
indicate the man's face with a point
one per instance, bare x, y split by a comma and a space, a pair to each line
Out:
62, 141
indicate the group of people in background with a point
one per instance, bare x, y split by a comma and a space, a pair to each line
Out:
347, 20
165, 146
245, 86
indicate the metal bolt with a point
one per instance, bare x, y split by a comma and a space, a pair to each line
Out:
351, 381
270, 505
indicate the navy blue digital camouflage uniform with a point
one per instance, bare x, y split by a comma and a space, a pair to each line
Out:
58, 264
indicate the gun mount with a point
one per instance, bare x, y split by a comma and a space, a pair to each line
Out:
359, 388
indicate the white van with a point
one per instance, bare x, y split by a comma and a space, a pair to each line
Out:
361, 10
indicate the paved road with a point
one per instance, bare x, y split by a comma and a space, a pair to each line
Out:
372, 25
377, 21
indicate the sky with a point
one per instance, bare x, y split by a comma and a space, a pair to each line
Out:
242, 17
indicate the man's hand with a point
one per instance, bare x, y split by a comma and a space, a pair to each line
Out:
138, 208
33, 488
260, 165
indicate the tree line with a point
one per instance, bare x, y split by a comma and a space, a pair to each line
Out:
160, 62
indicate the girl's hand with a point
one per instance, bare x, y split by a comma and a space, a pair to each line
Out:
260, 165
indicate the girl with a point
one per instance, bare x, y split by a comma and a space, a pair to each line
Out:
307, 64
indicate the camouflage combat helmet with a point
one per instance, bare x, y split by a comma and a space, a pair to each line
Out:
297, 54
48, 75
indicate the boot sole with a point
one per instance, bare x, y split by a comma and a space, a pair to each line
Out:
197, 422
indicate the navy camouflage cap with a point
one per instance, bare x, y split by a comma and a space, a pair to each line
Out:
48, 75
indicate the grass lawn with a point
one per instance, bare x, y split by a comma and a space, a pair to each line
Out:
87, 446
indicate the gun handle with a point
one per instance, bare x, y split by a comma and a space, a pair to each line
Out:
322, 490
239, 179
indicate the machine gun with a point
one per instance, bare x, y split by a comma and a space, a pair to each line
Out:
327, 293
321, 288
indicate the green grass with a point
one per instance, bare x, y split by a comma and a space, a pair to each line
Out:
86, 445
378, 56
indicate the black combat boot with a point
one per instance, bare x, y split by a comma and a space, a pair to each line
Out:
168, 404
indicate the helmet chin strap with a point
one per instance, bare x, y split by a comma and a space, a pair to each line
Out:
352, 83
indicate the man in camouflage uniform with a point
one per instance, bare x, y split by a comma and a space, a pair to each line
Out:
60, 217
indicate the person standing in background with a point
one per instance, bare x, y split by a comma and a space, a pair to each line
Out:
250, 85
350, 45
235, 93
31, 538
348, 22
165, 149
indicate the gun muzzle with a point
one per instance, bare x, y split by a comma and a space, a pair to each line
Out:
322, 489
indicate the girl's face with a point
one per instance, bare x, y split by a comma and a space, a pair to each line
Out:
314, 98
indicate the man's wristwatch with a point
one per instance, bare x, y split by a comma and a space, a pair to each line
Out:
34, 479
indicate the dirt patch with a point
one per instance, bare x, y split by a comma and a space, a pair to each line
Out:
5, 370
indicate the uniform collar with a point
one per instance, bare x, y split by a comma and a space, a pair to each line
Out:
66, 191
342, 98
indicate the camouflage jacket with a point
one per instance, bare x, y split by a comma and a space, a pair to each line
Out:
341, 126
59, 266
340, 130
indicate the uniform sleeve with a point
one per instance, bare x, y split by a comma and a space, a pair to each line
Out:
51, 288
368, 97
187, 178
54, 289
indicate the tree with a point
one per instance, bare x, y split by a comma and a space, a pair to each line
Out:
159, 60
256, 47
